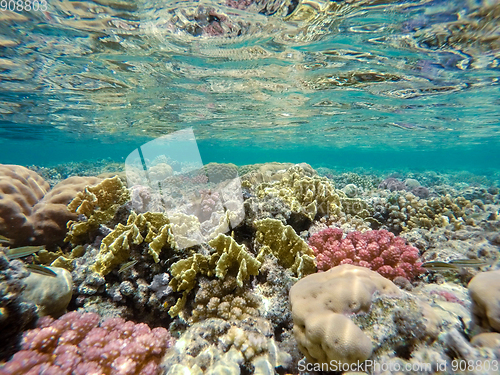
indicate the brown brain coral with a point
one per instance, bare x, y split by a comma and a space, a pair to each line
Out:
30, 214
51, 214
20, 190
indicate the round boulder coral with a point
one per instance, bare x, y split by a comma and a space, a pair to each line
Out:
320, 303
484, 289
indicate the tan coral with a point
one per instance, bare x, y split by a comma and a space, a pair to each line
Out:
20, 190
484, 289
51, 215
307, 195
224, 299
407, 212
291, 251
319, 304
228, 253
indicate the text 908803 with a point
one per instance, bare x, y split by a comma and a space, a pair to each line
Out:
23, 5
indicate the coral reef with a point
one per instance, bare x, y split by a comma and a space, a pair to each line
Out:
404, 212
228, 254
306, 195
29, 212
392, 184
216, 346
78, 344
224, 299
229, 272
377, 250
152, 228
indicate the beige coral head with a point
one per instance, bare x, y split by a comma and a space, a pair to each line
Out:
321, 304
484, 289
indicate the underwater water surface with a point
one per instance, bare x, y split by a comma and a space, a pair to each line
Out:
249, 187
90, 80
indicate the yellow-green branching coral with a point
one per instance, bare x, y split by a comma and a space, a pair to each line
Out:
281, 241
99, 204
228, 254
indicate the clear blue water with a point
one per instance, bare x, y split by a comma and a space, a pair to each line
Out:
371, 84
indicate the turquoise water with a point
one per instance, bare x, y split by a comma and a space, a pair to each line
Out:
372, 84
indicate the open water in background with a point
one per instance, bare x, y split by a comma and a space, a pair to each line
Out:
346, 84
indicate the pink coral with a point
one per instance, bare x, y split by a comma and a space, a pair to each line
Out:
378, 250
77, 344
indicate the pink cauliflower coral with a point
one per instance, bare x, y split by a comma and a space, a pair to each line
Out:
378, 250
77, 344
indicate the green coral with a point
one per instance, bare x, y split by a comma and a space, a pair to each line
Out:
151, 227
408, 212
223, 299
58, 258
99, 204
308, 195
356, 208
291, 251
228, 254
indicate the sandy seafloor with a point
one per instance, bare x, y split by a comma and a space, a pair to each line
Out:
224, 298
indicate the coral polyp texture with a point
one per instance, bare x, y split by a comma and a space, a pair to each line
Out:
378, 250
78, 344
